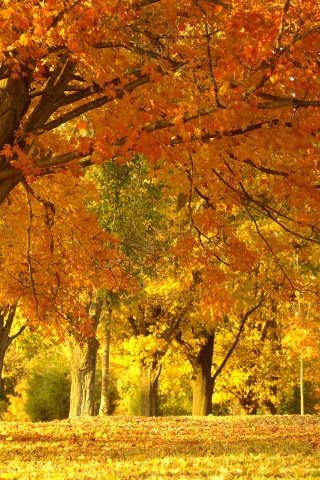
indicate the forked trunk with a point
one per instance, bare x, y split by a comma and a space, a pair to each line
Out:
202, 381
149, 376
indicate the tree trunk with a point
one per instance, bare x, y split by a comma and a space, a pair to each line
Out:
202, 381
13, 102
7, 314
149, 375
13, 99
83, 367
105, 367
270, 403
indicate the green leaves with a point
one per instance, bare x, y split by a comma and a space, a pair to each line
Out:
132, 208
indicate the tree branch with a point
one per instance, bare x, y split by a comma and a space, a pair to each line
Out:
235, 343
282, 25
129, 87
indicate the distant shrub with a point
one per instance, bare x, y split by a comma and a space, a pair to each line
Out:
179, 403
221, 409
48, 389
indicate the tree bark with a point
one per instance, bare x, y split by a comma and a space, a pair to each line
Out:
105, 367
149, 376
83, 367
13, 99
202, 381
7, 315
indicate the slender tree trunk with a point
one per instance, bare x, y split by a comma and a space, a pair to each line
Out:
149, 376
83, 367
105, 367
270, 403
271, 331
202, 381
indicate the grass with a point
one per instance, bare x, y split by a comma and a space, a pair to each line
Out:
216, 448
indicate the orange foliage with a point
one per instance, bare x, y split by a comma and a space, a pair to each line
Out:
53, 254
226, 94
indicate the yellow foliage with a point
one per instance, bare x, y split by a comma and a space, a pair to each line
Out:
15, 411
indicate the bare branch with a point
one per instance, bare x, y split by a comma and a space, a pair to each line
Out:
269, 246
235, 343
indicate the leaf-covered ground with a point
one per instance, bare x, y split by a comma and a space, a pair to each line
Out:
162, 448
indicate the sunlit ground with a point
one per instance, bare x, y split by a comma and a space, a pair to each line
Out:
162, 448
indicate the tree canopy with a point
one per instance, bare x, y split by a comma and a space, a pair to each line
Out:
221, 99
226, 92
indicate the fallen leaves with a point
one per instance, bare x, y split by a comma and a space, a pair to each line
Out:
110, 448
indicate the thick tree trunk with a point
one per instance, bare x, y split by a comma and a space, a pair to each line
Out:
13, 99
83, 367
105, 368
202, 381
149, 376
13, 102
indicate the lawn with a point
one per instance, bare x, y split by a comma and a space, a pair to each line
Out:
113, 448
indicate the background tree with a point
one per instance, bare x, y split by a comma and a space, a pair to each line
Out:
155, 316
134, 208
198, 344
254, 372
